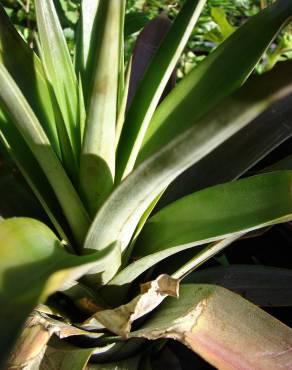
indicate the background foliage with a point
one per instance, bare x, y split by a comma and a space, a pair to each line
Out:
219, 19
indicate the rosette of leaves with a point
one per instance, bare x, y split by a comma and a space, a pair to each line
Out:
98, 144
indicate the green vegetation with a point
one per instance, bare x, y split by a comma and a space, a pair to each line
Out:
217, 21
99, 255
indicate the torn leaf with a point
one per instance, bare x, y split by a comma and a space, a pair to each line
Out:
120, 319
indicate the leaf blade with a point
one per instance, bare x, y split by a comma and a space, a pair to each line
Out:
34, 264
215, 78
153, 84
97, 166
60, 68
193, 320
28, 125
118, 218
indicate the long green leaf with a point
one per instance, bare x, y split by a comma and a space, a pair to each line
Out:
222, 72
59, 67
122, 212
97, 167
218, 211
85, 37
238, 154
225, 329
153, 84
227, 210
26, 69
34, 264
27, 124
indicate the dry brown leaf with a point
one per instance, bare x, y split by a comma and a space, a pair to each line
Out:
120, 319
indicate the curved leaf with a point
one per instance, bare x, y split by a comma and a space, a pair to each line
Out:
29, 127
216, 212
215, 78
153, 84
221, 212
65, 356
121, 213
218, 325
34, 265
239, 153
26, 69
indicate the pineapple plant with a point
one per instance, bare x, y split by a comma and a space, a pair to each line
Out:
98, 144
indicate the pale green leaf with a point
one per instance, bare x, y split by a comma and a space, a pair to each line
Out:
97, 167
26, 69
85, 38
59, 67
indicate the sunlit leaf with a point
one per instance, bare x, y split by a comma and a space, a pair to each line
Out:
60, 68
220, 210
215, 78
28, 125
191, 221
121, 213
34, 265
26, 69
97, 168
152, 86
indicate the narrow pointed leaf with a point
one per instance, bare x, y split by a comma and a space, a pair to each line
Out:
215, 78
121, 213
27, 124
218, 211
26, 69
217, 324
85, 37
263, 285
59, 67
34, 265
97, 168
238, 207
238, 154
153, 84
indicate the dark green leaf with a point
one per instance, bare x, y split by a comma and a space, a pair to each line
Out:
263, 285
